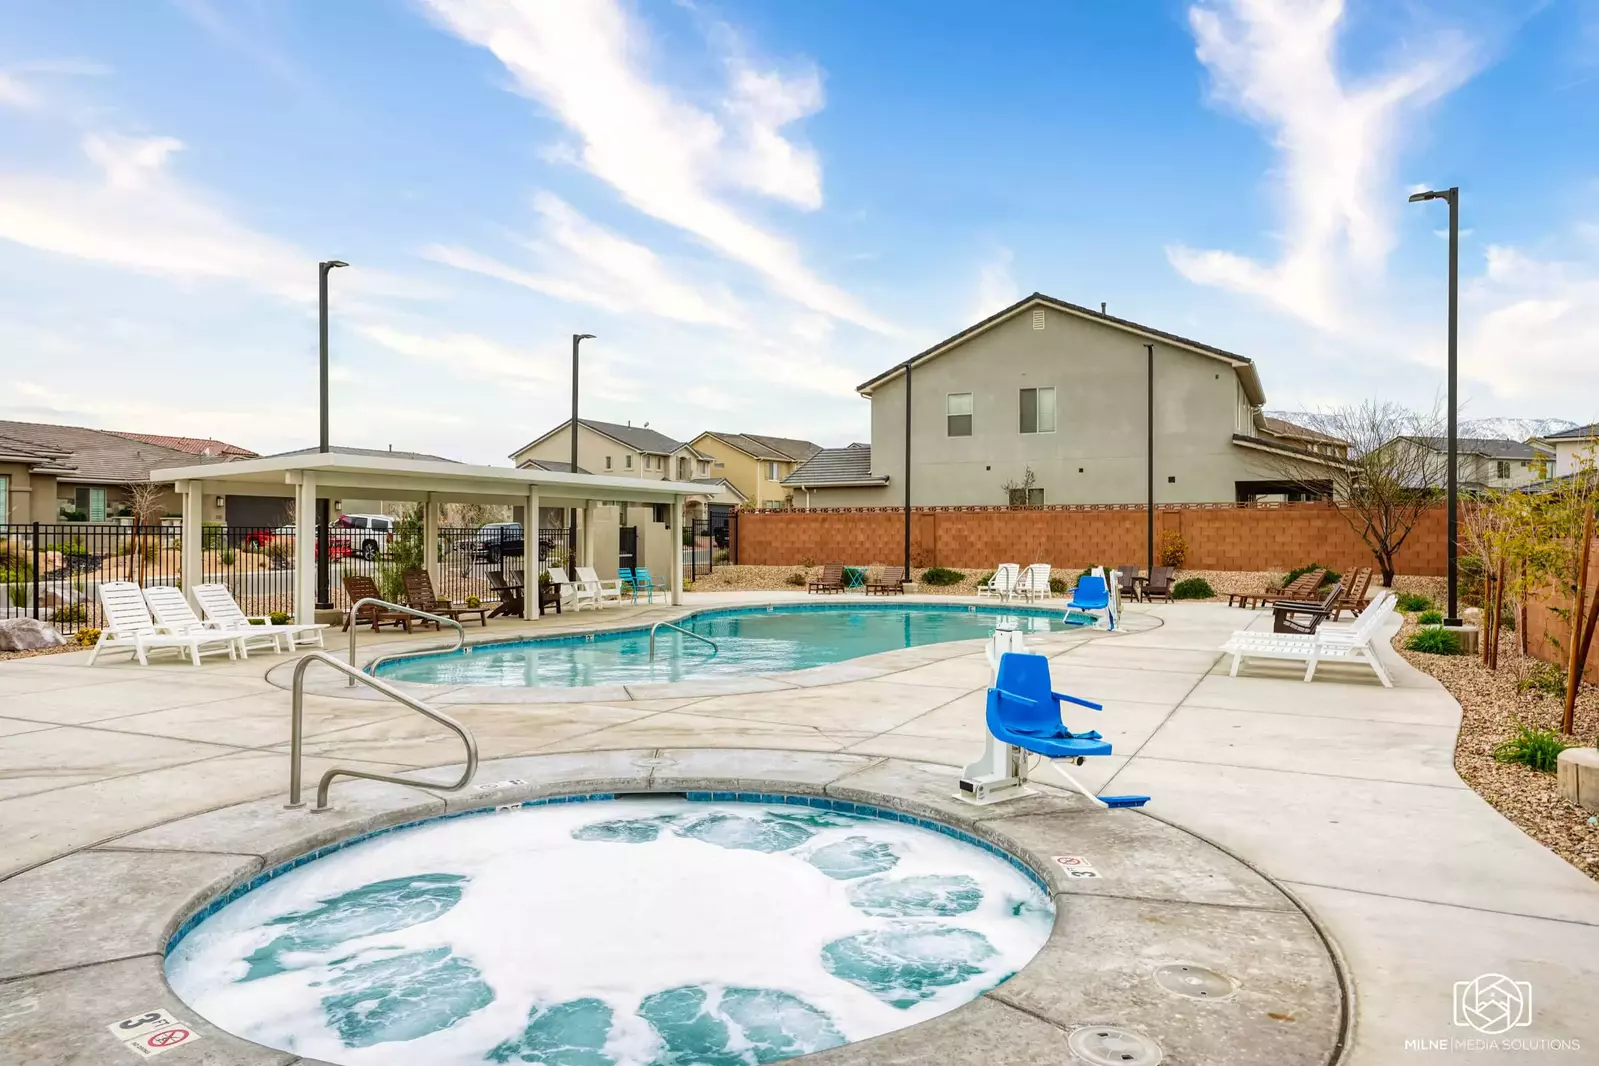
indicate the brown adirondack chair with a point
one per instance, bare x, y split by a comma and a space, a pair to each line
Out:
891, 581
1304, 617
1127, 583
1159, 583
419, 594
832, 579
361, 587
510, 596
1299, 590
1354, 598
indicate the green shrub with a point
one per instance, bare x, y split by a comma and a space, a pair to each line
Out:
18, 595
940, 575
1544, 679
1192, 588
1057, 585
87, 636
71, 614
279, 618
1537, 748
1470, 575
226, 557
1173, 548
1326, 579
1411, 602
1431, 618
986, 578
1434, 640
796, 579
473, 601
68, 547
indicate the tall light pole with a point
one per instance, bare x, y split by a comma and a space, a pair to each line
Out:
532, 530
1452, 195
324, 601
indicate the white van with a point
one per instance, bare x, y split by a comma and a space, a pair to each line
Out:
366, 534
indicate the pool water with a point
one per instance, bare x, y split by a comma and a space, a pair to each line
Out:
636, 932
748, 641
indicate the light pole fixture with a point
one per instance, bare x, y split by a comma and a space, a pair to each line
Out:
532, 530
1452, 195
324, 601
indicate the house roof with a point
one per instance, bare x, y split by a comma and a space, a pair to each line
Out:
760, 446
375, 453
721, 483
1243, 366
41, 459
95, 456
558, 465
1575, 433
1281, 427
1492, 447
639, 438
836, 466
193, 445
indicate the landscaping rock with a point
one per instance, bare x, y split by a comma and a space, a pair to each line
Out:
28, 634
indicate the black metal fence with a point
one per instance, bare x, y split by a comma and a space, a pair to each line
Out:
701, 547
51, 571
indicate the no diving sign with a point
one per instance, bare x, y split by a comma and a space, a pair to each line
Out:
152, 1033
1075, 866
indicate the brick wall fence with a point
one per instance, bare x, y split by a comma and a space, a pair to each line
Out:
1549, 635
1219, 536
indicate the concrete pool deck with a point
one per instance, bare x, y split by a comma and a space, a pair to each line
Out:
1341, 791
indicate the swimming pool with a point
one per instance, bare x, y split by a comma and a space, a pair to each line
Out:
757, 640
623, 932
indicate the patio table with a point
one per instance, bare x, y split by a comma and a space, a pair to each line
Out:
855, 577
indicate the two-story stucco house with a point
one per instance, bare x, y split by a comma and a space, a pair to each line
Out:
754, 463
1481, 462
617, 450
1047, 402
1571, 448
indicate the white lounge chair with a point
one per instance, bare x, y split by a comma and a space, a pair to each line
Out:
574, 592
1034, 582
173, 614
221, 608
1003, 581
129, 625
1331, 643
588, 577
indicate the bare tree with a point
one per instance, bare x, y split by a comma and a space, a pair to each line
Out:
146, 501
1388, 481
1019, 494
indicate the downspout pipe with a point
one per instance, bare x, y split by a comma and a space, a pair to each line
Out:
907, 471
1150, 464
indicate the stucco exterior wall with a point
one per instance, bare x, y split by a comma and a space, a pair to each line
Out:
30, 497
1097, 453
592, 451
746, 473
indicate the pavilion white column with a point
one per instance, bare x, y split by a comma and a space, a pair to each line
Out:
588, 532
677, 551
305, 548
430, 537
531, 564
192, 535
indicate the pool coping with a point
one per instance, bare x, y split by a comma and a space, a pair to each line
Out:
321, 681
91, 928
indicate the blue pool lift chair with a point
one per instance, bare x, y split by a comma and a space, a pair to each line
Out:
1023, 710
1092, 597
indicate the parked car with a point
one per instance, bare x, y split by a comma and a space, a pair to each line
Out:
366, 534
497, 541
338, 549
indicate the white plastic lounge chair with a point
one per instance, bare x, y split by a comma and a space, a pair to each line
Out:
129, 625
576, 593
1034, 582
220, 607
1332, 642
1003, 581
174, 615
589, 578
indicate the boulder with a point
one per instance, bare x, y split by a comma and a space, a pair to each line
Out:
28, 634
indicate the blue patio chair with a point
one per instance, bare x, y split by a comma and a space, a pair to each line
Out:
1092, 597
1023, 710
638, 578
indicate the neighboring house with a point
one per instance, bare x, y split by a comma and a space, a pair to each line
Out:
1059, 391
50, 472
1571, 447
615, 450
754, 463
1482, 462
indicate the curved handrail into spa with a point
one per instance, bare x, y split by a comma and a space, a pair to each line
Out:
297, 732
680, 629
372, 667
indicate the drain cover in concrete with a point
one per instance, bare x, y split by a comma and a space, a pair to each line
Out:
654, 760
1193, 981
1104, 1045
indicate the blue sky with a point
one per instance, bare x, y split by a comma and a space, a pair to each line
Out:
756, 206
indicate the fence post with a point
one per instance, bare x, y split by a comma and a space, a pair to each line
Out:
36, 571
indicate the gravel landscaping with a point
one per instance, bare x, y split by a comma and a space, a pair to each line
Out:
1491, 711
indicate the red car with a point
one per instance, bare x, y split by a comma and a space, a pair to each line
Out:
258, 539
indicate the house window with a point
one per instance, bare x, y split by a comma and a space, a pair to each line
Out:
771, 471
627, 461
958, 414
1026, 497
5, 497
91, 501
682, 469
607, 462
1504, 468
1038, 410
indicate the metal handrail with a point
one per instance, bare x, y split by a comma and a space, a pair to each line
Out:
297, 732
680, 629
355, 614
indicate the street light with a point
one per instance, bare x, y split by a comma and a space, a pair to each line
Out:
324, 601
1452, 195
533, 520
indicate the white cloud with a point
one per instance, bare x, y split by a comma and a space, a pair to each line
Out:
582, 262
1530, 328
996, 287
1277, 64
666, 157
